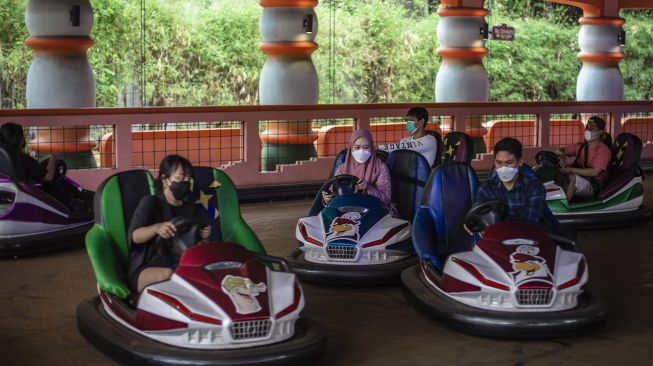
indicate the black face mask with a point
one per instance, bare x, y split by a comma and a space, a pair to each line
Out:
180, 190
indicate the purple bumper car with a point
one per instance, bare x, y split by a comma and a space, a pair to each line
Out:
32, 220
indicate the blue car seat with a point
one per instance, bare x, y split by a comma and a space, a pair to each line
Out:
409, 171
438, 225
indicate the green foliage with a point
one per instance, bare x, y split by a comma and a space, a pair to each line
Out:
15, 56
636, 67
381, 55
205, 52
539, 65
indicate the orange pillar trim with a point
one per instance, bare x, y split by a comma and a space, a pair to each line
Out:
288, 3
60, 45
300, 49
463, 12
601, 21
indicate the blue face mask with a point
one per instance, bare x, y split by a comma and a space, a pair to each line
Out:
410, 127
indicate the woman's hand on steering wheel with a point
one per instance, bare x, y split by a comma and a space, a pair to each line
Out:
338, 185
327, 196
167, 230
361, 186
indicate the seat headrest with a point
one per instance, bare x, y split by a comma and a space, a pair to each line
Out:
438, 152
340, 159
409, 171
10, 164
449, 194
122, 190
626, 152
458, 146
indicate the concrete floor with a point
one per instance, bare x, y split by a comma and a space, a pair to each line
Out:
365, 326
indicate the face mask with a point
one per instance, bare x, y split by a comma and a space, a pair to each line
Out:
589, 135
180, 190
506, 173
410, 127
361, 155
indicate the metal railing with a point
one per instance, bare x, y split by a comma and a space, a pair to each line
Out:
242, 140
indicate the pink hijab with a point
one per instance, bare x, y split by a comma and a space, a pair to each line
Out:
371, 169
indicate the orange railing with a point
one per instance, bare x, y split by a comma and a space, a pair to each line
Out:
545, 125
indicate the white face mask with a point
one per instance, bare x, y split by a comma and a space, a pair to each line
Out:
506, 173
589, 135
361, 155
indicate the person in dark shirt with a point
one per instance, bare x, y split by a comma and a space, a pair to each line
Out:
149, 263
516, 184
12, 136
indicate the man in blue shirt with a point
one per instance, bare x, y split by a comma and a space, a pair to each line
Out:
516, 184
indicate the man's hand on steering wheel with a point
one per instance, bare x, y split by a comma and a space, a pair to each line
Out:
205, 233
167, 230
361, 186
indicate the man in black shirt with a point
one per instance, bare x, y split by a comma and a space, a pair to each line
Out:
12, 137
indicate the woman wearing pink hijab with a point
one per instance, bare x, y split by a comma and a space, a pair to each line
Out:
362, 162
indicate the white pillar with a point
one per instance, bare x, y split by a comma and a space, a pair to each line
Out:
60, 75
601, 51
288, 29
462, 76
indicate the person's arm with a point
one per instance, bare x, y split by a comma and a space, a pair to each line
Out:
569, 150
52, 161
584, 172
389, 147
32, 168
483, 194
142, 229
381, 189
535, 203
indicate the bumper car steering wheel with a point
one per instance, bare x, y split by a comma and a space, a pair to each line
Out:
188, 234
547, 159
342, 184
484, 214
60, 169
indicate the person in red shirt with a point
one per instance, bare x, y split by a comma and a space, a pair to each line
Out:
588, 171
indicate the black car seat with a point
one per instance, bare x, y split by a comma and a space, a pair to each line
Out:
439, 144
624, 166
10, 164
457, 146
409, 171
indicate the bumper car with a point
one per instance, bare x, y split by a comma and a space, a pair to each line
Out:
223, 305
33, 221
354, 239
508, 280
617, 203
